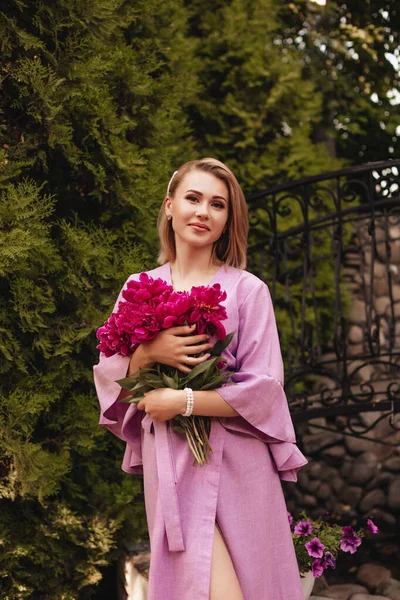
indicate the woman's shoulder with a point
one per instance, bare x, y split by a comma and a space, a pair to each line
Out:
242, 281
154, 273
246, 282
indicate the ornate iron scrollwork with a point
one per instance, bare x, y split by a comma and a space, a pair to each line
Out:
329, 248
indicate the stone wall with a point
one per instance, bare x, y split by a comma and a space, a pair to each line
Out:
347, 476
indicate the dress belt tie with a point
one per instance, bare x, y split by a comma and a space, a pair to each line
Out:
167, 486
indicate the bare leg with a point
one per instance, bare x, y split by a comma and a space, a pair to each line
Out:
223, 582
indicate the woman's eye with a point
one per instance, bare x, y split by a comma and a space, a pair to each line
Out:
195, 199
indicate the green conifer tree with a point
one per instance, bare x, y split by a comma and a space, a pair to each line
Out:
351, 53
92, 125
256, 110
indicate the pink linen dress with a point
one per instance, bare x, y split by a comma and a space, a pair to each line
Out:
240, 488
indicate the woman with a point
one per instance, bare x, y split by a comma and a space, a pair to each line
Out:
217, 532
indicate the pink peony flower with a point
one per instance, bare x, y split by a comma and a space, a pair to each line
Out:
175, 310
147, 290
142, 324
111, 341
126, 328
208, 312
317, 568
150, 305
303, 528
315, 547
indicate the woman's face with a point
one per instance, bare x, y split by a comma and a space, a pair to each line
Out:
199, 209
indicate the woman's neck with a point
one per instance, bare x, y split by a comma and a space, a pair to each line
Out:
188, 272
195, 269
194, 262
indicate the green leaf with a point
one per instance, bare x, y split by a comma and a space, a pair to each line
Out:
199, 369
220, 346
143, 388
169, 382
127, 383
154, 382
179, 429
216, 382
131, 399
140, 372
206, 373
138, 385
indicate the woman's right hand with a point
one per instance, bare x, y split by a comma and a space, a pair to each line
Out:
175, 347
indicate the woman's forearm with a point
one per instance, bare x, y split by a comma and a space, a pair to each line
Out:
138, 360
207, 404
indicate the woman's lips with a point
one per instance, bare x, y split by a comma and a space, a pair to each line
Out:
199, 228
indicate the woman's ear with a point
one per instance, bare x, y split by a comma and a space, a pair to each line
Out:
168, 207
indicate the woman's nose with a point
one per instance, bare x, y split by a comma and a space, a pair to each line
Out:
202, 210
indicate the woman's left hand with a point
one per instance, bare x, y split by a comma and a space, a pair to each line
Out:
163, 404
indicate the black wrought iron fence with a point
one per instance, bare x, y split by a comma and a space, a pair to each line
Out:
329, 247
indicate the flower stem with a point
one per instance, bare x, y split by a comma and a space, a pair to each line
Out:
195, 429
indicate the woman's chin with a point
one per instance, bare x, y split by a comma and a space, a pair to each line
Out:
197, 241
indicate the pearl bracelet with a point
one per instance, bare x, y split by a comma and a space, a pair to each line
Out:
190, 402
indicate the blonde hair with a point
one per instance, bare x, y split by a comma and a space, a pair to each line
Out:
231, 247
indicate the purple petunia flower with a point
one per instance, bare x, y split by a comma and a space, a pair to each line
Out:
317, 568
303, 528
290, 518
348, 531
328, 560
371, 526
350, 544
350, 541
315, 547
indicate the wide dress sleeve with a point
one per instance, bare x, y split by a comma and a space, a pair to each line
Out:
258, 394
123, 420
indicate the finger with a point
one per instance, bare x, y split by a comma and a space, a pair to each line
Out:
182, 329
195, 339
204, 358
197, 349
184, 368
191, 360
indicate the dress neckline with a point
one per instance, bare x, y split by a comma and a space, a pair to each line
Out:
210, 282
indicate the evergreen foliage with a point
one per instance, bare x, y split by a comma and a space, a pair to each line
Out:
258, 111
255, 110
92, 101
351, 51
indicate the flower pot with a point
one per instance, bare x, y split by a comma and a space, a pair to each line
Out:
307, 584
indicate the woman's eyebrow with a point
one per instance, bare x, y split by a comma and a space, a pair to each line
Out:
200, 194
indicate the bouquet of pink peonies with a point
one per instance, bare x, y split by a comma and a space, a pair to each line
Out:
317, 543
149, 306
